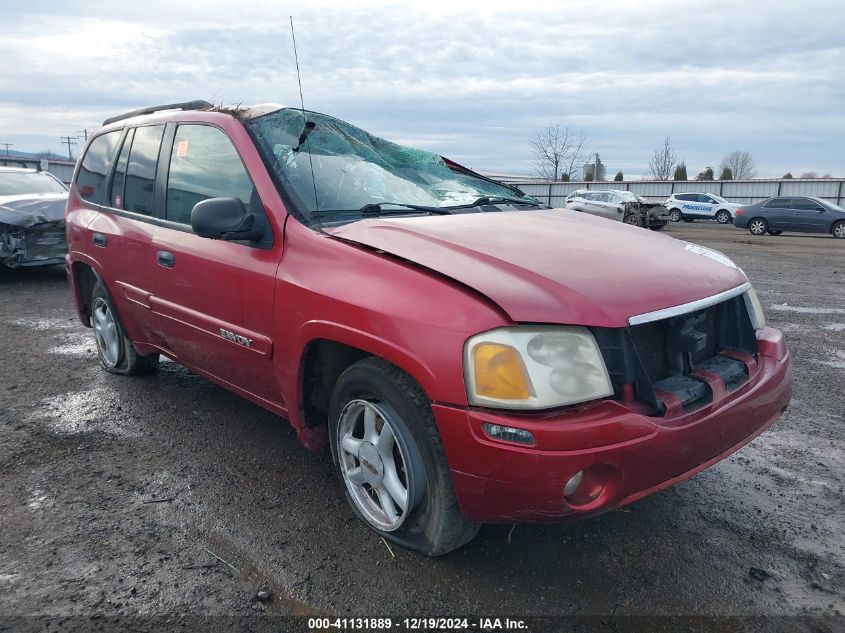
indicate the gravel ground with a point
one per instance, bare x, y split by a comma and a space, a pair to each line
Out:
168, 497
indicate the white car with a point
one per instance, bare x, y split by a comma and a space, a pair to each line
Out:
700, 206
32, 218
619, 205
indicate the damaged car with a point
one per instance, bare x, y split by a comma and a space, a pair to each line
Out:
32, 210
626, 206
465, 354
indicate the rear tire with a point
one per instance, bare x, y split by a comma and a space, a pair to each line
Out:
758, 226
431, 521
675, 215
633, 219
838, 230
723, 217
116, 353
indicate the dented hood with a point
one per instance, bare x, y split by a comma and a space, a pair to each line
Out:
556, 266
31, 209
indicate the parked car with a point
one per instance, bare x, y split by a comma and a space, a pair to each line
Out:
32, 211
620, 205
465, 354
796, 213
700, 206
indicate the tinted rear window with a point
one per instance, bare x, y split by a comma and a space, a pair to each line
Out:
91, 179
141, 171
778, 203
118, 181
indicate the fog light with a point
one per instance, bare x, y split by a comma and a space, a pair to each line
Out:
508, 434
573, 483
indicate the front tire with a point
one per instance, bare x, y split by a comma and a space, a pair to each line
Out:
387, 452
723, 217
116, 353
838, 230
758, 226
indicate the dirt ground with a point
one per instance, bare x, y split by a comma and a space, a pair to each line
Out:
168, 497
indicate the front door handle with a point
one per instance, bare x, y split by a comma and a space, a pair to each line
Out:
99, 240
165, 259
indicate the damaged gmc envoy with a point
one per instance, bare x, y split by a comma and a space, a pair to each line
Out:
467, 354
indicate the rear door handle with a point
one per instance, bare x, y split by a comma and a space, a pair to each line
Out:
100, 240
165, 259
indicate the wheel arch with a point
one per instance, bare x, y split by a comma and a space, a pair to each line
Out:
326, 351
83, 278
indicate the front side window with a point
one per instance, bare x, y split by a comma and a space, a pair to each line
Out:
805, 204
141, 170
204, 164
91, 178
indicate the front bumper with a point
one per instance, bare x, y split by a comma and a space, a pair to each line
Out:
42, 244
632, 454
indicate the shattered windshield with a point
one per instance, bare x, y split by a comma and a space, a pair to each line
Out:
353, 169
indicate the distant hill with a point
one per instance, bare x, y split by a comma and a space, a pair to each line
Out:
48, 155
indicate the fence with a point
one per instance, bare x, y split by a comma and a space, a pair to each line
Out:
739, 191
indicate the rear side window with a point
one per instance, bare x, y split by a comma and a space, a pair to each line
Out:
686, 197
91, 179
141, 169
204, 164
118, 183
778, 203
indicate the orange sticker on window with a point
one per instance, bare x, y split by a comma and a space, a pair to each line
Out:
181, 149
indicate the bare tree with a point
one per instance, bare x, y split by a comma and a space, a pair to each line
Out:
663, 161
810, 174
741, 164
559, 152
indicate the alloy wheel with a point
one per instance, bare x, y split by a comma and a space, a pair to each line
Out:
839, 230
675, 216
106, 332
757, 227
723, 217
376, 465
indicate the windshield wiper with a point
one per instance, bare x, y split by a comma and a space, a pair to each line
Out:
489, 200
376, 209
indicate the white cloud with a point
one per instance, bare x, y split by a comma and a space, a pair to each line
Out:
472, 80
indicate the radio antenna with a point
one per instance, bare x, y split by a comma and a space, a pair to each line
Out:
308, 125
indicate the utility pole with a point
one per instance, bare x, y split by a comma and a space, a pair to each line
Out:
85, 133
69, 140
8, 145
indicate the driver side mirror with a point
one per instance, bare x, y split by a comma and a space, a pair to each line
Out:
224, 219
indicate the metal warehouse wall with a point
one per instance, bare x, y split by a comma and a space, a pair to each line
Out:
61, 169
739, 191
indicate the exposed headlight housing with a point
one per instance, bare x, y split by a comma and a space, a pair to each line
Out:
534, 367
755, 310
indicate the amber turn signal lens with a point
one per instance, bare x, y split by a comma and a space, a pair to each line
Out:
499, 372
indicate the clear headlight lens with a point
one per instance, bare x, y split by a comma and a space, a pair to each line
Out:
534, 367
755, 310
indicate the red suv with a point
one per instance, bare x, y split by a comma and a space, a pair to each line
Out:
467, 354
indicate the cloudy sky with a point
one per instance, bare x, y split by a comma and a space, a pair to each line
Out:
470, 80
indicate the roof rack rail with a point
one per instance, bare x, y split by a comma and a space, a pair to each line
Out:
187, 105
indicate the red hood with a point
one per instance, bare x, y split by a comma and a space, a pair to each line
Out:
555, 266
